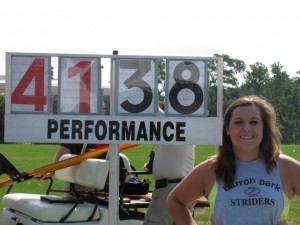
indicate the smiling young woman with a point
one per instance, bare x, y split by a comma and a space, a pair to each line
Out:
248, 181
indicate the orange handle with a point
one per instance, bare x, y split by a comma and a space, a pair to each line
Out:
37, 172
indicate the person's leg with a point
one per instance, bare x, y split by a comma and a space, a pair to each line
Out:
157, 213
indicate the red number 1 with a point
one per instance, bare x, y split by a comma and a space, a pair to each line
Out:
35, 73
84, 69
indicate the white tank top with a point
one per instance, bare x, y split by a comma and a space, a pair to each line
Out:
173, 161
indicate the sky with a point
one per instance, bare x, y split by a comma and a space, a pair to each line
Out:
265, 31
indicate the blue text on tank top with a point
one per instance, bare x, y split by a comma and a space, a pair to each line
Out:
255, 197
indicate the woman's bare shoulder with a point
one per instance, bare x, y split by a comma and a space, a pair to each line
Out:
288, 165
288, 161
206, 166
290, 172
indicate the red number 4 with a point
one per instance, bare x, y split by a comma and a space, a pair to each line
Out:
35, 73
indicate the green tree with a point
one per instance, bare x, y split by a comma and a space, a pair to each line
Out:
255, 79
278, 91
294, 113
161, 78
106, 99
232, 68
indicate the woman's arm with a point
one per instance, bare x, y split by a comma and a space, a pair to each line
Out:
197, 183
290, 175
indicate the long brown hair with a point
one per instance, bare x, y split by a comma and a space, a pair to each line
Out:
224, 160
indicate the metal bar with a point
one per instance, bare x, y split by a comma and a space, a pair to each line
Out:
114, 159
220, 88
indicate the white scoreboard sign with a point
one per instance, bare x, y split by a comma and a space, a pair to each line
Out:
134, 117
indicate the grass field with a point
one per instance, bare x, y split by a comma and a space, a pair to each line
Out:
29, 156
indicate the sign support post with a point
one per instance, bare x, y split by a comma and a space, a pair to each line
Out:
114, 159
